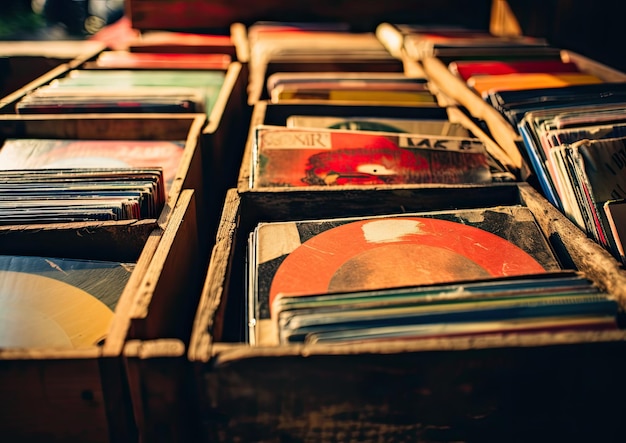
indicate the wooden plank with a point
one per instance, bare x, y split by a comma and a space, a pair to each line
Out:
159, 375
204, 14
162, 316
508, 391
52, 399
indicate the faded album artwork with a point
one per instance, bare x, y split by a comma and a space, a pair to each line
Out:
291, 157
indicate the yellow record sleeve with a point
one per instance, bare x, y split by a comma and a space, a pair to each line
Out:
38, 311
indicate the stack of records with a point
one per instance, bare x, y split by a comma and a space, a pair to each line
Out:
70, 195
575, 141
411, 276
571, 121
383, 88
126, 91
459, 43
31, 153
51, 302
443, 123
305, 156
311, 43
55, 180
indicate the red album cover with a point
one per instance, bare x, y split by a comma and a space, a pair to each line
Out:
308, 157
467, 69
145, 60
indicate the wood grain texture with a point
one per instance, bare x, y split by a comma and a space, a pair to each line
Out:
507, 392
52, 399
204, 14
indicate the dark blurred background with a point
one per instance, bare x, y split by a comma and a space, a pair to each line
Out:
56, 19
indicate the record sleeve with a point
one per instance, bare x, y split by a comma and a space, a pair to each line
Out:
127, 90
485, 84
465, 329
385, 252
80, 194
57, 302
415, 126
600, 173
467, 69
144, 60
615, 211
361, 78
291, 157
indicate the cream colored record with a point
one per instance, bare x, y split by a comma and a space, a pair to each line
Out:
37, 311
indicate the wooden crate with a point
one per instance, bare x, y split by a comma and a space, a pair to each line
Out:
496, 388
82, 395
222, 134
111, 127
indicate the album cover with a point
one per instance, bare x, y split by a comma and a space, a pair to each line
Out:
469, 68
57, 302
615, 212
283, 78
485, 84
145, 60
343, 94
356, 254
400, 125
290, 157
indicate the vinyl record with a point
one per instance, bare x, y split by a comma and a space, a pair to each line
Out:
37, 311
394, 252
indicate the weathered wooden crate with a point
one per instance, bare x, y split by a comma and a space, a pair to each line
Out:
189, 175
222, 134
159, 371
498, 388
541, 386
82, 395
